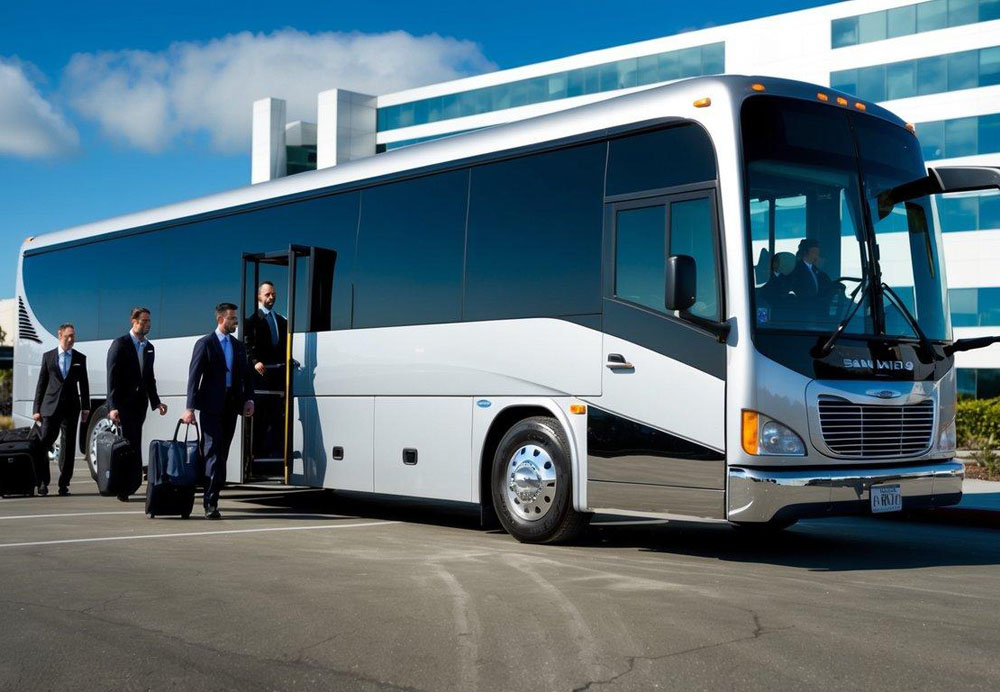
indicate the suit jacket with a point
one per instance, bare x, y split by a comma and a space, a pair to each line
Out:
803, 285
128, 387
206, 390
257, 334
54, 391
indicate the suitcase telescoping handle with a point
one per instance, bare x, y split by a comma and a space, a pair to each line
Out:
187, 429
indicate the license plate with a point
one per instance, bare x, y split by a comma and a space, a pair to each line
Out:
886, 498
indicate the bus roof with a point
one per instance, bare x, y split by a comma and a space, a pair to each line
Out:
641, 106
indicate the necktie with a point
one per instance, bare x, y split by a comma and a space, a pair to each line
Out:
140, 353
274, 328
64, 364
814, 274
227, 350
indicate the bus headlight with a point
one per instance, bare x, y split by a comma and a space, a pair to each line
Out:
765, 437
946, 443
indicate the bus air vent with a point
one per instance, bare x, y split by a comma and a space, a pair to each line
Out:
873, 430
25, 329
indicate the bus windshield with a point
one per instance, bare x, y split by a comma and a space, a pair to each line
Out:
821, 254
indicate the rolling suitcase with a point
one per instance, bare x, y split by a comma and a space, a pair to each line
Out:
119, 467
174, 466
20, 450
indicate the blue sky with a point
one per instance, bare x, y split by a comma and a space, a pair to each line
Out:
112, 107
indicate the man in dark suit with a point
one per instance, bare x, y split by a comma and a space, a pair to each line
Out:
220, 387
61, 397
265, 334
810, 284
131, 380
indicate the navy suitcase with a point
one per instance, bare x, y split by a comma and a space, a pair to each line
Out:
20, 451
119, 467
174, 466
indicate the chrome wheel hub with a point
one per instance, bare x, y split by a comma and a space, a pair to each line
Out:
99, 427
530, 483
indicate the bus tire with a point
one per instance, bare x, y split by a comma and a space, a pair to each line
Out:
531, 483
98, 421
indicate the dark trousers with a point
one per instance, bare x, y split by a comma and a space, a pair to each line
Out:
217, 431
132, 420
62, 422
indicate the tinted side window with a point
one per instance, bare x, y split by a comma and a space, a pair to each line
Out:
640, 249
664, 158
59, 286
692, 232
129, 271
535, 235
410, 250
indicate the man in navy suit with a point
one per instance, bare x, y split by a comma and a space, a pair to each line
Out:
219, 386
61, 397
131, 380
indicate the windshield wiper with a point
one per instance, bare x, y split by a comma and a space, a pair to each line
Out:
901, 306
824, 350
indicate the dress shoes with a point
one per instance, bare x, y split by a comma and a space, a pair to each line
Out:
123, 498
43, 490
63, 492
213, 513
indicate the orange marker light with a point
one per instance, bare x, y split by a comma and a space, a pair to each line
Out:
860, 106
703, 103
750, 432
912, 128
822, 97
841, 100
757, 86
578, 409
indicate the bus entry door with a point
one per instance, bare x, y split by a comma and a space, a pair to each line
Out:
302, 279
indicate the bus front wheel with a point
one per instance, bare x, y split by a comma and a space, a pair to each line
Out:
532, 483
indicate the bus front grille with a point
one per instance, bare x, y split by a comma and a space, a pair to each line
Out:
866, 430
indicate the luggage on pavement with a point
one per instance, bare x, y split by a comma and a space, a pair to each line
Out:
119, 466
174, 468
20, 451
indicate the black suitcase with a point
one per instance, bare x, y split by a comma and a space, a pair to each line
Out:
119, 467
172, 475
20, 450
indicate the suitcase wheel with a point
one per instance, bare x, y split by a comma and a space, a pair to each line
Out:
186, 515
151, 516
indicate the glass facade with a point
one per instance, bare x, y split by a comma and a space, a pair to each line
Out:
975, 212
931, 75
975, 307
979, 383
911, 19
946, 139
620, 74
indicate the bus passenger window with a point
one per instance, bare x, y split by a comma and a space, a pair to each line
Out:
639, 256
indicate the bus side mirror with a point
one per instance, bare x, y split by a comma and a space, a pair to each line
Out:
681, 282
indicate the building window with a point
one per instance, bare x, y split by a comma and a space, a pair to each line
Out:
976, 212
951, 72
911, 19
946, 139
978, 383
974, 307
620, 74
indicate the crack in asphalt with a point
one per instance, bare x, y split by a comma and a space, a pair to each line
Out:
630, 661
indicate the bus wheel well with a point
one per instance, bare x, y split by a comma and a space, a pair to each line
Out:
84, 428
498, 428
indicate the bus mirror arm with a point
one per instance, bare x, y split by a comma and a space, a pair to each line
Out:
719, 329
940, 180
971, 344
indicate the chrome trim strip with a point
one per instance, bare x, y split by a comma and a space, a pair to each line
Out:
757, 495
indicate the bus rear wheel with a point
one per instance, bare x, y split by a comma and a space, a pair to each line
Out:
532, 482
97, 423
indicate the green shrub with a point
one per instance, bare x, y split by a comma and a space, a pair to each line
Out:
986, 456
977, 419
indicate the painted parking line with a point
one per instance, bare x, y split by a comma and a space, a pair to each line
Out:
67, 514
232, 514
188, 534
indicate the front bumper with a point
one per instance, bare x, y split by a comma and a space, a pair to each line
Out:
760, 495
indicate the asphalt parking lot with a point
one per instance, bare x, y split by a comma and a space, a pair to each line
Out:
317, 590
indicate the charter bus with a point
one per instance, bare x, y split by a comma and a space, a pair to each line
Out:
600, 309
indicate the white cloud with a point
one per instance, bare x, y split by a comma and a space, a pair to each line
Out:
29, 125
147, 99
